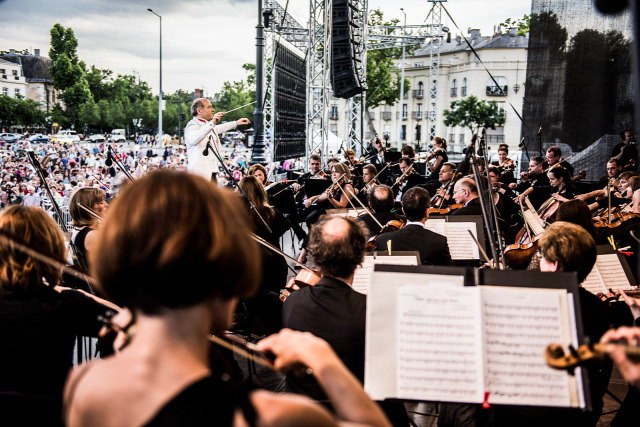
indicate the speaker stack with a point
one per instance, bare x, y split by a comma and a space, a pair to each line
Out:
347, 71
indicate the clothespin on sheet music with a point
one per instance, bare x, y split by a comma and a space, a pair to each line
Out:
389, 247
485, 401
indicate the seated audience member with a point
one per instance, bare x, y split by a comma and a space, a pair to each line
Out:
180, 263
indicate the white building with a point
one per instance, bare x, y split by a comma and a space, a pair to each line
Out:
460, 75
12, 81
34, 71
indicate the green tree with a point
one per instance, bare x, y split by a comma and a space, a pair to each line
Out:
474, 114
523, 24
383, 79
68, 72
235, 94
20, 112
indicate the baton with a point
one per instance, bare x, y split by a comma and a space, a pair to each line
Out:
242, 106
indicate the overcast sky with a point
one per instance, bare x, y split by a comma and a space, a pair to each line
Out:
204, 43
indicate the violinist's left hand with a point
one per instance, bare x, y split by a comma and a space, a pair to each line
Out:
626, 336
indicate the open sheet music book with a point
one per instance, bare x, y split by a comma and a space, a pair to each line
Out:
430, 339
352, 213
609, 272
461, 245
362, 276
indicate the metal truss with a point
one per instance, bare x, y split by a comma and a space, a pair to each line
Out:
356, 104
284, 28
434, 68
318, 80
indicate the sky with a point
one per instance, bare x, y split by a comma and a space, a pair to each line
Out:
204, 42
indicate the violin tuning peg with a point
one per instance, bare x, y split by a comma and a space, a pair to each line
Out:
555, 351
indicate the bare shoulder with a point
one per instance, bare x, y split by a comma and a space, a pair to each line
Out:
288, 410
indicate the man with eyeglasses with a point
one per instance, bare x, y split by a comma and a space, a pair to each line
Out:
465, 192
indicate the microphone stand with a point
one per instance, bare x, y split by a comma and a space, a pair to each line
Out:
235, 182
523, 145
540, 140
485, 205
118, 164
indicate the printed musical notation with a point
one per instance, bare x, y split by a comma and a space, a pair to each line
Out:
518, 324
607, 274
438, 344
461, 245
362, 275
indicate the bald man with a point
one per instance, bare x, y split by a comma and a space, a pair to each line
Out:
331, 309
201, 130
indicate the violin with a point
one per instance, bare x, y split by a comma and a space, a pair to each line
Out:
444, 211
393, 225
436, 153
402, 178
585, 354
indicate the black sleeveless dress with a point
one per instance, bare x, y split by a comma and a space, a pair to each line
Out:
206, 402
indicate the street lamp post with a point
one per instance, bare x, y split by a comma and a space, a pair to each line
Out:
402, 82
160, 93
257, 154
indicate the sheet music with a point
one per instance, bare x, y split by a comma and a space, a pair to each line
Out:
607, 274
518, 324
439, 346
461, 245
362, 275
435, 225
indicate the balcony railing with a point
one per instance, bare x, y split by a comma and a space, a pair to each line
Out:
417, 115
463, 92
454, 91
385, 115
495, 90
418, 94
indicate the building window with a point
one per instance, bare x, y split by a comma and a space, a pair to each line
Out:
3, 71
420, 89
334, 112
418, 132
387, 130
419, 110
464, 87
418, 64
461, 138
454, 88
5, 91
17, 92
452, 137
14, 72
404, 111
403, 133
497, 90
334, 128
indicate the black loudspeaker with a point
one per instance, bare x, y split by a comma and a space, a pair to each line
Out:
347, 74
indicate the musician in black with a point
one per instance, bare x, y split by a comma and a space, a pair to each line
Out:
368, 174
315, 172
554, 156
505, 165
407, 180
443, 192
382, 158
535, 177
259, 172
382, 209
266, 305
626, 151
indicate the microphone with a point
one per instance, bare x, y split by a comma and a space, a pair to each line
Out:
109, 161
539, 131
206, 148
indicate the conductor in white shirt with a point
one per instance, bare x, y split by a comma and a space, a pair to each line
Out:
200, 130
